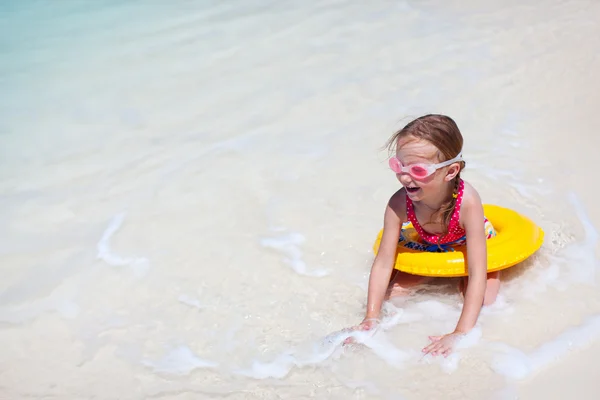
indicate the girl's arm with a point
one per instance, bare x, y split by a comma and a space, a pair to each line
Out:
383, 264
472, 218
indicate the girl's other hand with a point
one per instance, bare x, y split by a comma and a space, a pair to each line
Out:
366, 325
442, 345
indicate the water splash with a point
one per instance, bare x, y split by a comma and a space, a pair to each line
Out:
516, 364
577, 262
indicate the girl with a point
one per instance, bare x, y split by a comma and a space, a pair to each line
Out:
444, 210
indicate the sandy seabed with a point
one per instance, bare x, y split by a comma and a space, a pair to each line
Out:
189, 194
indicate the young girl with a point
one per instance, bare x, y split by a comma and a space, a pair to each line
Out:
444, 210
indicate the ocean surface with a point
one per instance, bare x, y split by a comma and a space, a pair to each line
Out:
190, 191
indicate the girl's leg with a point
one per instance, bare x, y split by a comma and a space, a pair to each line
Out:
401, 283
491, 290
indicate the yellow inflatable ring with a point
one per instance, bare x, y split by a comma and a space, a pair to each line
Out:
517, 238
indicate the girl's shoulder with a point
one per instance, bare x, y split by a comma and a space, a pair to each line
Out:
398, 203
470, 196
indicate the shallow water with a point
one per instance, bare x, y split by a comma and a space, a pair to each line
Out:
190, 193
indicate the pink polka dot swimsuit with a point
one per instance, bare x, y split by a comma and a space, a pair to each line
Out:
455, 232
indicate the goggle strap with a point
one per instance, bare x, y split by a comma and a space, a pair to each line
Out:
455, 159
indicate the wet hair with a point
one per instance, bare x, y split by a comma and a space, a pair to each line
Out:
442, 132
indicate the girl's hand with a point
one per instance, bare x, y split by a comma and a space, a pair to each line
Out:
366, 325
442, 345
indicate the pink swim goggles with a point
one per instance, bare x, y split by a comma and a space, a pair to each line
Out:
420, 171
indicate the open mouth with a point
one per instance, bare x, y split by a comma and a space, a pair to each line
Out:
412, 189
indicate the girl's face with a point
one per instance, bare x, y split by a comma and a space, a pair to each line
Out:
412, 151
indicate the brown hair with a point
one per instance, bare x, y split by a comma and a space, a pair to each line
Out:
443, 133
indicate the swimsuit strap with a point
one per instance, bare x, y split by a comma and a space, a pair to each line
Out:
455, 232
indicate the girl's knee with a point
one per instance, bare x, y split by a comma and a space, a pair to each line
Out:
489, 298
398, 290
492, 288
402, 283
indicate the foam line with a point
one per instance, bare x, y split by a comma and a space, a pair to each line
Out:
283, 364
581, 265
179, 361
105, 253
591, 234
289, 246
580, 257
376, 340
517, 364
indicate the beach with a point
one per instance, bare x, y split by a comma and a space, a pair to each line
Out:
190, 193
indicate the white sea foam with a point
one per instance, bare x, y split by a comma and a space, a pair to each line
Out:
323, 350
451, 363
178, 361
105, 253
281, 366
576, 262
289, 246
518, 364
579, 258
376, 341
